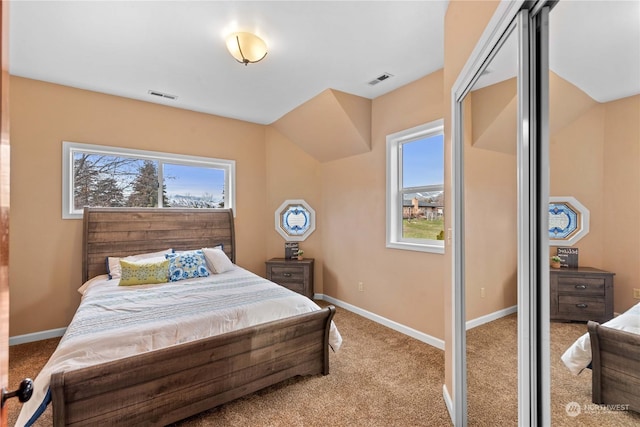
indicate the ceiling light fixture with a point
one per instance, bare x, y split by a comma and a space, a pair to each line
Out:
246, 48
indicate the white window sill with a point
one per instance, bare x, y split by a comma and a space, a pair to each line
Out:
418, 247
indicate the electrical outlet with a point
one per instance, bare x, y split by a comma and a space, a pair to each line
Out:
482, 293
361, 286
636, 293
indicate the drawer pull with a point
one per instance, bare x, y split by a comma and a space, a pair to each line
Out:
286, 274
581, 286
582, 305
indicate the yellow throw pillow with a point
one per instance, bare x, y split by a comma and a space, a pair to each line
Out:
141, 273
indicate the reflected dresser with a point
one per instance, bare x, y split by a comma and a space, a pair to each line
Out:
581, 294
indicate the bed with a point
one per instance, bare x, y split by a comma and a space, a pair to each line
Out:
613, 351
153, 354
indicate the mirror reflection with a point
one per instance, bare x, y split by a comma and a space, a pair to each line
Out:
594, 156
490, 197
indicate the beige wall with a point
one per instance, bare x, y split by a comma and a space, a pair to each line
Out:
292, 174
490, 197
621, 230
621, 234
349, 198
45, 264
596, 159
403, 286
577, 169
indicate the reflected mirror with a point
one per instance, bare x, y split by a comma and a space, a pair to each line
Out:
568, 221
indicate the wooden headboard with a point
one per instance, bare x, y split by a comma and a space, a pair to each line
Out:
127, 231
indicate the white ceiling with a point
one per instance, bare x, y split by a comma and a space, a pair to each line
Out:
127, 48
596, 46
593, 44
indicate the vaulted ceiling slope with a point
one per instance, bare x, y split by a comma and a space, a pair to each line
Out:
128, 48
494, 111
330, 126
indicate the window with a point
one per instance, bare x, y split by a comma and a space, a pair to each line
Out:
100, 176
415, 188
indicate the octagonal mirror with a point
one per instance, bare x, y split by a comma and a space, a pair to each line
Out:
295, 220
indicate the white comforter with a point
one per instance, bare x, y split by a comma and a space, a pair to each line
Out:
578, 356
118, 321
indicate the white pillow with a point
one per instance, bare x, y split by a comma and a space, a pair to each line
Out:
113, 263
100, 278
217, 261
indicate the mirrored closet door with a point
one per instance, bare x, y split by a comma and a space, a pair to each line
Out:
500, 199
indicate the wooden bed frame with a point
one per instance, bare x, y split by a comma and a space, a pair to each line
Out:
170, 384
615, 366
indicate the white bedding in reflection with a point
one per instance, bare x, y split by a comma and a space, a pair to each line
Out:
578, 356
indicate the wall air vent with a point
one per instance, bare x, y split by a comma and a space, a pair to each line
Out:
162, 95
380, 78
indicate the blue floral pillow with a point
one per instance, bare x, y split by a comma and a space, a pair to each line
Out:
187, 265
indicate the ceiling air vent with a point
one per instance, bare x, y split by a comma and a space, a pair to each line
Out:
162, 95
380, 78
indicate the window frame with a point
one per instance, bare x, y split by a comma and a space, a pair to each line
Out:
394, 239
69, 148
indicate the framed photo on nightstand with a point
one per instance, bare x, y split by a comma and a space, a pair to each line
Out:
291, 250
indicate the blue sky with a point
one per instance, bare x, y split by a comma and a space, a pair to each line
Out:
423, 162
195, 181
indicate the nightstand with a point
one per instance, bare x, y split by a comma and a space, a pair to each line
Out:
581, 294
293, 274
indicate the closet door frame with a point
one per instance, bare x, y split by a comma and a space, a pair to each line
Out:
531, 24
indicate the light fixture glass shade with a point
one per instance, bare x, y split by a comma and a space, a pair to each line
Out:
246, 48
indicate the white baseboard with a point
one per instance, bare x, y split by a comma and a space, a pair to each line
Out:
447, 401
491, 317
36, 336
420, 336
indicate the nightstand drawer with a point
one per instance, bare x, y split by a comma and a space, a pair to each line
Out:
287, 274
581, 285
580, 307
296, 275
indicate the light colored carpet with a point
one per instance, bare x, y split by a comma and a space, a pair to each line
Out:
383, 378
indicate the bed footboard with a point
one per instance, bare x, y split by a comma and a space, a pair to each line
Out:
167, 385
615, 366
